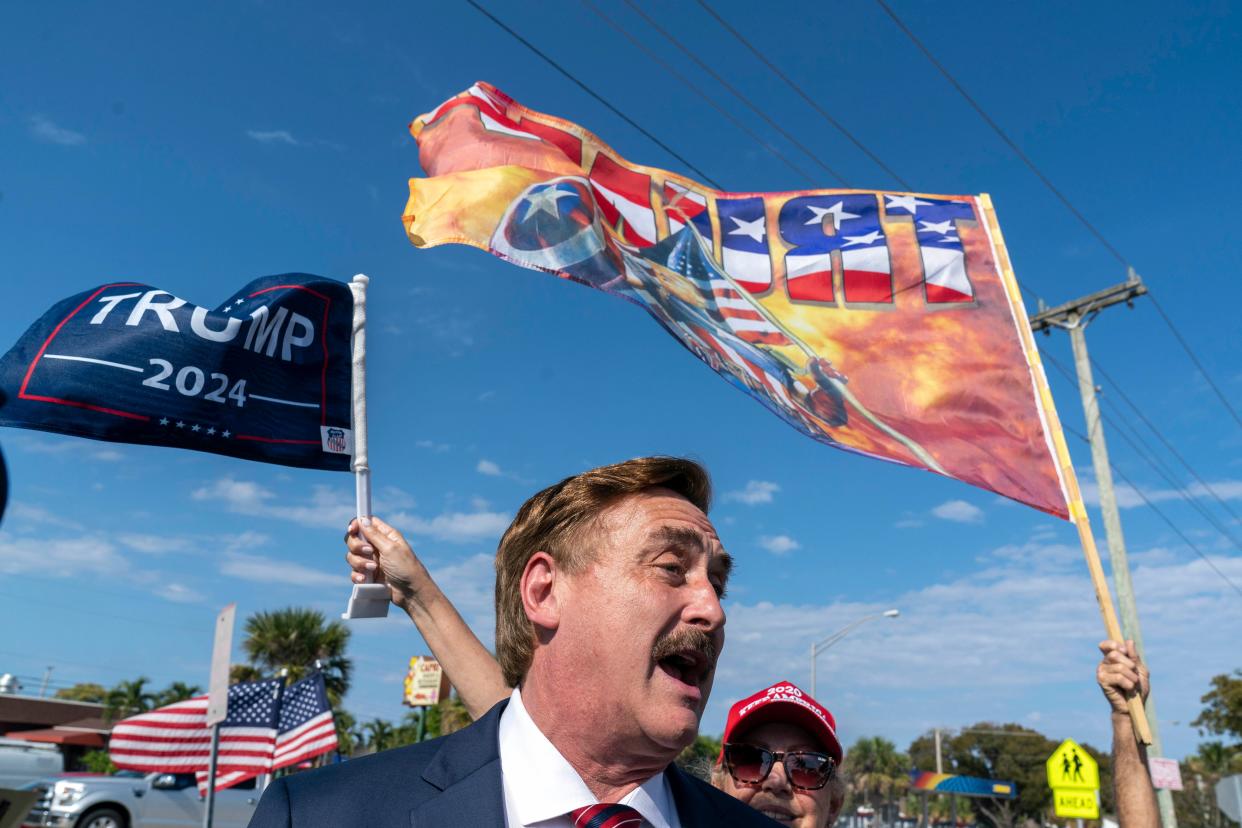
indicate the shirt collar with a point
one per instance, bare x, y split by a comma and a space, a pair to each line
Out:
541, 784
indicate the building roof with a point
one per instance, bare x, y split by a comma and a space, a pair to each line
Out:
18, 713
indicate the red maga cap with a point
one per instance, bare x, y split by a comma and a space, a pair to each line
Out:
785, 702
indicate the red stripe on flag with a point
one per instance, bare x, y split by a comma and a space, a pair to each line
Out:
867, 286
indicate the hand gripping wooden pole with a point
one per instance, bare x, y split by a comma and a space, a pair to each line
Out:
1052, 425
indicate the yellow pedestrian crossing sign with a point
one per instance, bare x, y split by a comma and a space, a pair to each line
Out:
1074, 777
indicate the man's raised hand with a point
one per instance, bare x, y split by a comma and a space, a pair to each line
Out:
1121, 672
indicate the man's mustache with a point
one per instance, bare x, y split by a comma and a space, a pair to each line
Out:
685, 639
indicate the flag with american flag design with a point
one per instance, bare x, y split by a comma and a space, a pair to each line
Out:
306, 729
176, 739
886, 324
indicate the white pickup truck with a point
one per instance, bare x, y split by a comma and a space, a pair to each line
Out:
131, 800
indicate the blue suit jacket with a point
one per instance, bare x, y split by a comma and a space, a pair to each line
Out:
451, 781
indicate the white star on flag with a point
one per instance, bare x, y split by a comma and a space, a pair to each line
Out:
163, 421
837, 212
870, 238
754, 229
196, 427
545, 201
226, 434
945, 227
906, 202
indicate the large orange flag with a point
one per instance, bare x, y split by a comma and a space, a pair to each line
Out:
886, 324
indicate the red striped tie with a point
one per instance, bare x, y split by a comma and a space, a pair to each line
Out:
605, 815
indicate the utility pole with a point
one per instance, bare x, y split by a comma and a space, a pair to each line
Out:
1074, 317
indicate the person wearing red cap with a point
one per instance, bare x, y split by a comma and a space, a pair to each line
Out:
781, 756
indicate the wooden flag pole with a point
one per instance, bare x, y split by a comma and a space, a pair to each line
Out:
1052, 425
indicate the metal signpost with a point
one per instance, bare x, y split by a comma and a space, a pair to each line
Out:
1229, 796
1074, 777
218, 699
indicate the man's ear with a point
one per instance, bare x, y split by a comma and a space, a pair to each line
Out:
539, 594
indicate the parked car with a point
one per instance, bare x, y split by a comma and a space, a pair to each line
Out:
22, 762
132, 800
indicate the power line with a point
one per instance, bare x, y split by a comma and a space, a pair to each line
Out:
677, 44
1000, 132
690, 85
1164, 517
798, 89
571, 77
1181, 491
1139, 413
1186, 347
1095, 231
1142, 495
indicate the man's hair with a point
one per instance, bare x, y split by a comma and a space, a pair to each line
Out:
554, 521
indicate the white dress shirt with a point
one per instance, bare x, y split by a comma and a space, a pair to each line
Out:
541, 788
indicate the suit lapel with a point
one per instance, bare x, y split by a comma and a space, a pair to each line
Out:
693, 808
466, 770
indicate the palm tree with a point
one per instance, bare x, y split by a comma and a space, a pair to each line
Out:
348, 737
295, 639
175, 692
128, 698
380, 734
877, 770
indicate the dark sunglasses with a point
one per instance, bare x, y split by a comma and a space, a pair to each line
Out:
805, 769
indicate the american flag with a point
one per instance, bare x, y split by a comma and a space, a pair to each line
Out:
176, 738
306, 730
685, 253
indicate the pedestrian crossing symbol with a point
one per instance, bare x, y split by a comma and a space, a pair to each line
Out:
1074, 777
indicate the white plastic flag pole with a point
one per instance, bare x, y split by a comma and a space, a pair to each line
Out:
368, 600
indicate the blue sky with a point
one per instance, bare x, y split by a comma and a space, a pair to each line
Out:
197, 147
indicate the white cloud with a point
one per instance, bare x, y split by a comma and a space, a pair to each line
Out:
909, 521
79, 557
958, 511
333, 508
179, 593
755, 492
274, 136
1128, 497
432, 445
489, 468
25, 515
1018, 632
70, 446
779, 544
44, 129
328, 507
154, 544
470, 584
455, 527
250, 567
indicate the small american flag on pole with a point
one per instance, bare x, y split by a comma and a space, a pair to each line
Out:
307, 728
175, 738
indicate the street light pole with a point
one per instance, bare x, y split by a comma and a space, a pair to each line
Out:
818, 648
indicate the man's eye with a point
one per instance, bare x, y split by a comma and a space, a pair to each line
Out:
721, 589
673, 568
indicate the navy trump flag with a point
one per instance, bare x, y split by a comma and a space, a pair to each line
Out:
264, 377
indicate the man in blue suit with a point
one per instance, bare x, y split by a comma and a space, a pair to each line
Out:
608, 624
